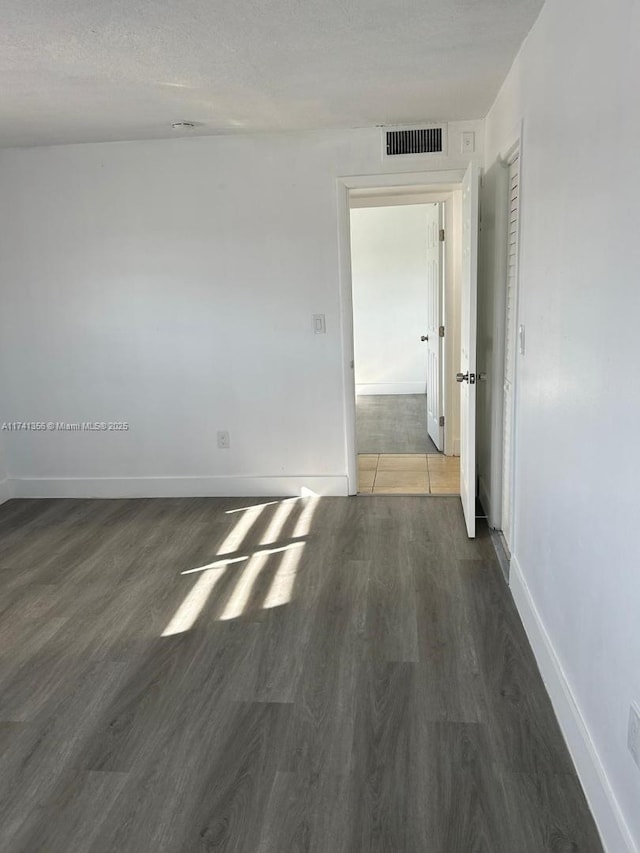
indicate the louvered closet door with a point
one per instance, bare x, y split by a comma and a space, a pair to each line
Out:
510, 349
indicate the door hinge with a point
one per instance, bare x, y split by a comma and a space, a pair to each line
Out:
441, 420
442, 235
441, 331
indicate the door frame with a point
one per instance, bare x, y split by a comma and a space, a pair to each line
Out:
447, 183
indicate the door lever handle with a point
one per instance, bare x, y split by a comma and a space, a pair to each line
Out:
424, 337
466, 377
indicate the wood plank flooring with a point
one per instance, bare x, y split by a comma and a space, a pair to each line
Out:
392, 423
329, 675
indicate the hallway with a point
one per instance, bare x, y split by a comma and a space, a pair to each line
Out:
332, 674
392, 423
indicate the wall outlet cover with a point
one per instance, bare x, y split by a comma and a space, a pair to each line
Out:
224, 441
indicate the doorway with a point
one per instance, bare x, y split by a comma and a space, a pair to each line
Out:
461, 189
398, 290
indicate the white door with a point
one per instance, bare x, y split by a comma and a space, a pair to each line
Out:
468, 330
510, 348
434, 321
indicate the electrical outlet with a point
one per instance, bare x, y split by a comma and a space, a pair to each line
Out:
633, 739
224, 442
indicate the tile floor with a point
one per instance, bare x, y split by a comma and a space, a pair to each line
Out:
408, 474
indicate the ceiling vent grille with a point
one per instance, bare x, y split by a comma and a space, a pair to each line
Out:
412, 141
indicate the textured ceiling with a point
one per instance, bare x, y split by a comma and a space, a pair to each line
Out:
89, 70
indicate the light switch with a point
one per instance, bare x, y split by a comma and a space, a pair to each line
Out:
319, 324
521, 340
468, 142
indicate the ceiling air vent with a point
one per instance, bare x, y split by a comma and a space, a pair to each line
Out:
415, 140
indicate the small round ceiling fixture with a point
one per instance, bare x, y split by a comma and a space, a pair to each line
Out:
183, 125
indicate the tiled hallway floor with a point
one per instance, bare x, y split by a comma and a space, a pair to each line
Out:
408, 474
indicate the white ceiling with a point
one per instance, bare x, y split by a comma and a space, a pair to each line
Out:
90, 70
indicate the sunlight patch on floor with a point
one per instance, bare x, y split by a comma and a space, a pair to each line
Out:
244, 585
276, 524
241, 529
303, 524
257, 559
237, 604
191, 607
281, 589
228, 561
254, 506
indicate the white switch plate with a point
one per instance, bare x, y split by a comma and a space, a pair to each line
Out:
319, 324
633, 738
467, 142
224, 441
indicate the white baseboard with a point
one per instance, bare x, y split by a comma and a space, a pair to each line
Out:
370, 390
604, 806
177, 487
6, 491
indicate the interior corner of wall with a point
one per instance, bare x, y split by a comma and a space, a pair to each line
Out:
485, 498
6, 492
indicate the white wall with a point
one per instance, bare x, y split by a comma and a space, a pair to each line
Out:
5, 485
171, 284
5, 491
388, 273
575, 574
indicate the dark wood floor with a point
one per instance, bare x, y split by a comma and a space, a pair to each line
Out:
392, 423
348, 675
